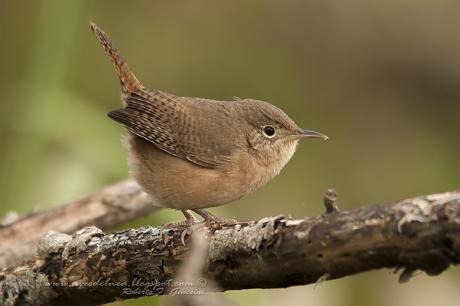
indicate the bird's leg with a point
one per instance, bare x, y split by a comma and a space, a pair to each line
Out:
208, 217
189, 217
190, 220
192, 224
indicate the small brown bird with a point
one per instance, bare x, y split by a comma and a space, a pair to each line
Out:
193, 153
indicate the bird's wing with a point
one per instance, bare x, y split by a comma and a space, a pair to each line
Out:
164, 120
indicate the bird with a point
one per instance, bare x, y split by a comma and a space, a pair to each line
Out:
191, 153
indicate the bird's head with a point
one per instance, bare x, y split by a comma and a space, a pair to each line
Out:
270, 134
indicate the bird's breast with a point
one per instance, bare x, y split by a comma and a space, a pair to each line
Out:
175, 183
252, 171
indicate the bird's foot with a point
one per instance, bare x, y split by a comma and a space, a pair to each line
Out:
190, 219
192, 224
210, 218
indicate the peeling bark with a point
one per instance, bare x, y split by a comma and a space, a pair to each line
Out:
91, 267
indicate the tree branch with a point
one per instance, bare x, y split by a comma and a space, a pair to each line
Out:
91, 267
107, 208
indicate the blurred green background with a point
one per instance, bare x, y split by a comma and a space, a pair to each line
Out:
381, 78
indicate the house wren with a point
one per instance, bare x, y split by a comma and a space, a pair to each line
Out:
193, 153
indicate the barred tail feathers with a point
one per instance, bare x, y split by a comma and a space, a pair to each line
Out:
129, 82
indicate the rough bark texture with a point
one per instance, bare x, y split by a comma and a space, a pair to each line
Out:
91, 267
109, 207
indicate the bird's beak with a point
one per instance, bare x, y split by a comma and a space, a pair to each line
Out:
310, 134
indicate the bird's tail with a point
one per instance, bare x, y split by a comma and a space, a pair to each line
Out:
128, 80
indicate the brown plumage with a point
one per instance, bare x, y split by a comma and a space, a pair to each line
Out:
129, 82
193, 153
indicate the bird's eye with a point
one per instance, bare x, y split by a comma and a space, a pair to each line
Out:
269, 131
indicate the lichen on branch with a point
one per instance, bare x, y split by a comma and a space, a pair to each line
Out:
92, 267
